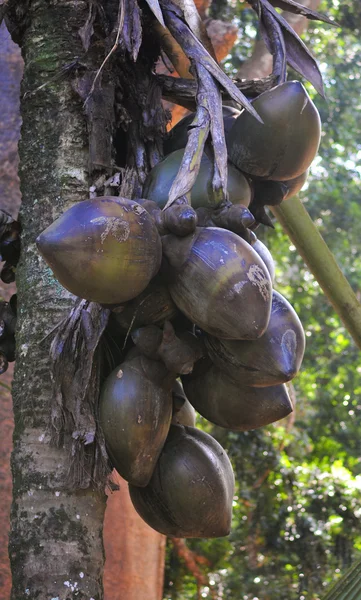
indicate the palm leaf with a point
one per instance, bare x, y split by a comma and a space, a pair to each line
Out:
298, 9
348, 587
196, 52
195, 24
297, 54
272, 34
156, 10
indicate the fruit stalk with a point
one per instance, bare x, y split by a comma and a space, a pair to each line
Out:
304, 234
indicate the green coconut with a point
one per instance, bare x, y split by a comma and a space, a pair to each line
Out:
161, 177
238, 407
284, 146
191, 491
105, 250
274, 358
135, 413
219, 283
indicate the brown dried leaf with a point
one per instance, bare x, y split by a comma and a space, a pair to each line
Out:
298, 9
173, 51
213, 101
132, 28
3, 9
87, 30
196, 25
75, 368
189, 168
272, 34
196, 52
298, 55
156, 10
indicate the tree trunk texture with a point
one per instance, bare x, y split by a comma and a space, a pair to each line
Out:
259, 65
135, 553
11, 67
6, 431
56, 548
55, 545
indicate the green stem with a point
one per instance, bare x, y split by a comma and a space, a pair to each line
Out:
5, 385
348, 587
299, 226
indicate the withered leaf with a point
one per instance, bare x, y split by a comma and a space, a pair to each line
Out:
297, 54
272, 34
183, 91
302, 61
228, 85
196, 52
132, 28
209, 118
213, 100
195, 24
3, 9
75, 368
87, 30
189, 168
99, 110
299, 9
156, 10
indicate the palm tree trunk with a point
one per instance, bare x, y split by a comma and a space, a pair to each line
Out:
56, 548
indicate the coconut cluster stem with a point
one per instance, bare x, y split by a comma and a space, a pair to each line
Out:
304, 234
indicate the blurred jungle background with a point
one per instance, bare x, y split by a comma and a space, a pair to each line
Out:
297, 508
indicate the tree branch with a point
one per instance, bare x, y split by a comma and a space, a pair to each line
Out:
192, 562
183, 91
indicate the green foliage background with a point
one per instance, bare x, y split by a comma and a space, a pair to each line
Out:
297, 507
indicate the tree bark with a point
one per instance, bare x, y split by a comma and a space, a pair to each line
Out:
260, 63
55, 548
6, 430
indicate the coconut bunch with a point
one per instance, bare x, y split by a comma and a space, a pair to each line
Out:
176, 290
268, 161
189, 287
